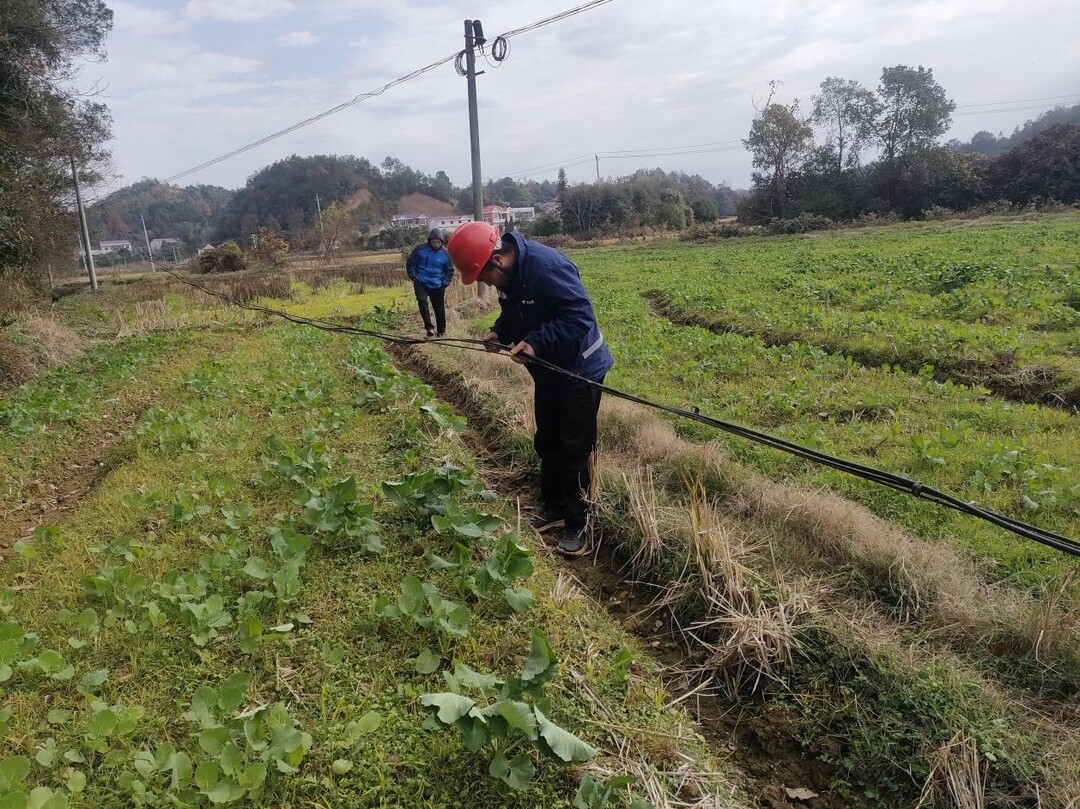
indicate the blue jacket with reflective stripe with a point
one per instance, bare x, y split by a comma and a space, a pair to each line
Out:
547, 306
432, 268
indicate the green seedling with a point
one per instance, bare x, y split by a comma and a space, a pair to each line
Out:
244, 747
336, 513
513, 721
610, 794
422, 603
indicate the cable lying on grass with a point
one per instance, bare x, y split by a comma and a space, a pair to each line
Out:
900, 483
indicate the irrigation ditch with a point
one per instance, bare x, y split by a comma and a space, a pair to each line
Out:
779, 775
823, 652
1038, 385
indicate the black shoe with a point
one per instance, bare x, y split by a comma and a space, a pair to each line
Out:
429, 333
546, 519
574, 541
441, 334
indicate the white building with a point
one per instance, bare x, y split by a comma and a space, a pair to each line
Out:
449, 223
112, 246
523, 214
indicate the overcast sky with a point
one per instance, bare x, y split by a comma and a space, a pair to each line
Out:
189, 80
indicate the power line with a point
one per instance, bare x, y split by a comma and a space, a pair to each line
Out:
300, 124
1003, 109
562, 15
1018, 101
380, 90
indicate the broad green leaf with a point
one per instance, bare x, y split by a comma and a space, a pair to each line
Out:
203, 707
474, 732
181, 771
341, 766
213, 740
231, 759
46, 754
468, 678
258, 568
451, 707
518, 715
426, 662
93, 680
541, 663
102, 724
411, 601
12, 772
225, 791
45, 798
456, 621
254, 776
562, 744
231, 692
516, 773
77, 781
520, 599
207, 774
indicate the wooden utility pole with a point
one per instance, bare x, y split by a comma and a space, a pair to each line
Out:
474, 35
84, 231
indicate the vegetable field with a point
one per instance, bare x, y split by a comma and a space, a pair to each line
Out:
248, 562
286, 584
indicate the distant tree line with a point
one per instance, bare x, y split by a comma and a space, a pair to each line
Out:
987, 143
900, 122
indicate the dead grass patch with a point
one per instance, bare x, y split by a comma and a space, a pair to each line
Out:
35, 343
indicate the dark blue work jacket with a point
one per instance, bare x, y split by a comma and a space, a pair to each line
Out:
432, 268
547, 306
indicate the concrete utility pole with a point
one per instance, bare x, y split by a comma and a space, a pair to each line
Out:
474, 35
322, 227
84, 231
149, 252
597, 168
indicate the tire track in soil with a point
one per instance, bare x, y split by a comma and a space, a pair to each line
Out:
768, 759
50, 499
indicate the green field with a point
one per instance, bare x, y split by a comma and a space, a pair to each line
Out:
285, 552
249, 562
851, 344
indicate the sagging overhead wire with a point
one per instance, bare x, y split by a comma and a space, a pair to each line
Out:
457, 57
1050, 539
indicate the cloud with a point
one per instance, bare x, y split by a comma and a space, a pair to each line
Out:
297, 39
129, 18
236, 10
624, 76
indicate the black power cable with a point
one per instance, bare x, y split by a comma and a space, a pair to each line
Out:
893, 481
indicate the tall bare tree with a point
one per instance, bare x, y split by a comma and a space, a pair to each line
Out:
779, 140
842, 111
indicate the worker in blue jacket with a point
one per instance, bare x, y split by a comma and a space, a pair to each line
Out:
546, 313
429, 268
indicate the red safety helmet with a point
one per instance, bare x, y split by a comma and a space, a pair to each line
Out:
470, 247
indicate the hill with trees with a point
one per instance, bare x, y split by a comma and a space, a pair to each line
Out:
189, 214
984, 142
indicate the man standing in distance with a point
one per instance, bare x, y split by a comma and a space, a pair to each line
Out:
428, 267
545, 313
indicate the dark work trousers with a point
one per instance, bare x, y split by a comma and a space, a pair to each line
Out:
438, 303
565, 437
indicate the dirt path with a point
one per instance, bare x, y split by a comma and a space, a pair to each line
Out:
47, 500
771, 763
